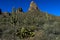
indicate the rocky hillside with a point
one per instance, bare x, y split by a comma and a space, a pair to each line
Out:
32, 25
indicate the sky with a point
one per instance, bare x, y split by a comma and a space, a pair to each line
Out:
50, 6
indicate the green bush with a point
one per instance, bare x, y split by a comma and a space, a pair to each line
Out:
24, 32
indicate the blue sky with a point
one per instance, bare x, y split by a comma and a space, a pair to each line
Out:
50, 6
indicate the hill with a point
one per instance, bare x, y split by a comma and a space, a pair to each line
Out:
32, 25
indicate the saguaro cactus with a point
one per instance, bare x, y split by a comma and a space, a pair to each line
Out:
47, 16
13, 10
14, 21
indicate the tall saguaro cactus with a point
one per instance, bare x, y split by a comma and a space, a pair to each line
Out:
14, 10
47, 16
14, 21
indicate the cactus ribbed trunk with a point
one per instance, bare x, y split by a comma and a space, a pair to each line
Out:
46, 16
14, 21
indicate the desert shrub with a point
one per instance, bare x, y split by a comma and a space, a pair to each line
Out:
58, 37
39, 35
48, 28
52, 30
25, 32
56, 27
51, 36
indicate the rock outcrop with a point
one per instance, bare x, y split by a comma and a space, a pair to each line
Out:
5, 14
19, 10
33, 6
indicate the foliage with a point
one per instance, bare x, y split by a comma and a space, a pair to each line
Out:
35, 25
25, 32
